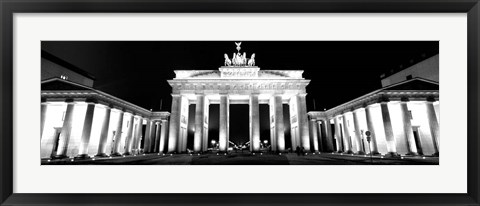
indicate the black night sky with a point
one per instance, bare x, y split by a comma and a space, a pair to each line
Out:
137, 71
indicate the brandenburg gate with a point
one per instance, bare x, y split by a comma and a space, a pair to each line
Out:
239, 81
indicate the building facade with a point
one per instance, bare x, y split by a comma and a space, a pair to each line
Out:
239, 81
79, 121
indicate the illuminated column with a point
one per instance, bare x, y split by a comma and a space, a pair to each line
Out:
321, 136
104, 133
303, 121
433, 123
65, 133
157, 138
43, 115
146, 138
199, 124
338, 135
87, 130
138, 135
205, 125
373, 143
163, 136
328, 136
387, 125
223, 136
174, 126
358, 135
129, 137
279, 125
314, 133
152, 136
254, 111
118, 135
407, 128
346, 135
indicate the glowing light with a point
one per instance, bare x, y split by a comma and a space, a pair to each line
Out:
93, 159
401, 158
109, 157
143, 154
381, 157
253, 153
48, 160
171, 154
261, 153
71, 160
279, 153
198, 154
423, 157
225, 154
217, 153
163, 154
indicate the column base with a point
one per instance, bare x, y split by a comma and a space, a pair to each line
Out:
412, 154
82, 157
392, 155
116, 154
436, 154
376, 153
348, 152
127, 153
101, 155
360, 153
339, 151
59, 157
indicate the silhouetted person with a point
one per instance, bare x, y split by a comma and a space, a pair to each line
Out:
298, 150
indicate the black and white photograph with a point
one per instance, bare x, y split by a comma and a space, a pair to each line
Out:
239, 103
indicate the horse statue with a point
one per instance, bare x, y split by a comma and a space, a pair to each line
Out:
227, 60
238, 59
251, 61
244, 58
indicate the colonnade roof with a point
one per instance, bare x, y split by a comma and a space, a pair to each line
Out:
415, 89
60, 90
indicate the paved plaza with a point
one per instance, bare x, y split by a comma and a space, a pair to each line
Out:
247, 158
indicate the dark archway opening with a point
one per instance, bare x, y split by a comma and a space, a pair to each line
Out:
239, 124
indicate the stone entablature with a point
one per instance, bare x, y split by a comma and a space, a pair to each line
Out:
239, 86
100, 98
238, 73
383, 96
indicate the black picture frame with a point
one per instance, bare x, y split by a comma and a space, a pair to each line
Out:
10, 7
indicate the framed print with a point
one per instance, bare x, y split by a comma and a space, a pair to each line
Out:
249, 103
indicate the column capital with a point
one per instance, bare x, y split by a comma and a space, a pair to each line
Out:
91, 101
302, 94
69, 101
383, 100
431, 99
176, 95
